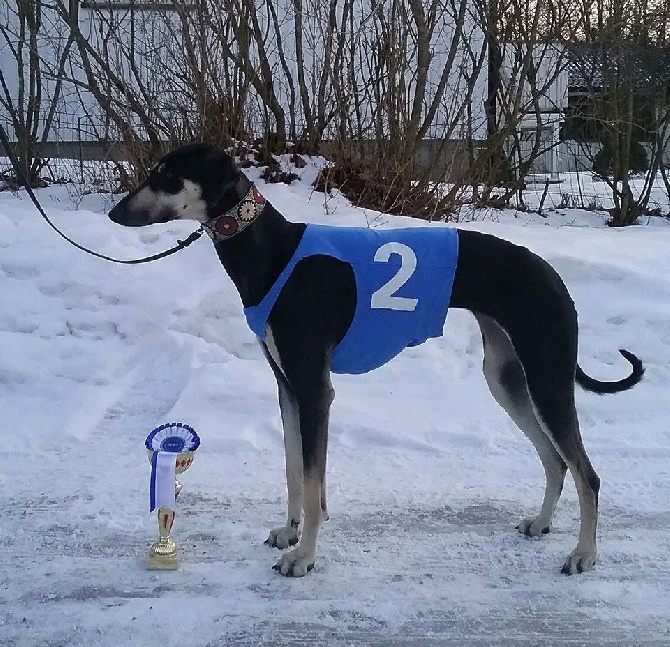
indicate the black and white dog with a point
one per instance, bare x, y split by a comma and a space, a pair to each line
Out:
527, 319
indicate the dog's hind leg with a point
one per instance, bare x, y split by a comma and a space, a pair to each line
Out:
548, 371
510, 287
555, 404
550, 377
556, 409
507, 382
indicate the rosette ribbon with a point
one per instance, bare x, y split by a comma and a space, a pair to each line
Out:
168, 443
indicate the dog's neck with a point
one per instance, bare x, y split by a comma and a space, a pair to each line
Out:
254, 242
226, 222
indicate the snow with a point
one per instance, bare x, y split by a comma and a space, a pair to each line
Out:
427, 476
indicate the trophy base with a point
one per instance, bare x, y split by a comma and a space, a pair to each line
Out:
163, 556
163, 563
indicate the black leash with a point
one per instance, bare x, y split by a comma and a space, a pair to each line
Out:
181, 244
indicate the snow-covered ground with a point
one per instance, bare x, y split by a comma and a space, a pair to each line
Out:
427, 476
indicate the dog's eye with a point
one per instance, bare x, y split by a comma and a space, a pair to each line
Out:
169, 182
163, 171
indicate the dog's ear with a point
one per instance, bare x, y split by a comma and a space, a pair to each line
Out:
220, 177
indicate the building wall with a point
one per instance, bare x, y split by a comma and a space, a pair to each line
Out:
154, 39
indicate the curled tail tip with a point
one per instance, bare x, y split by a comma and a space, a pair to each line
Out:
636, 362
598, 386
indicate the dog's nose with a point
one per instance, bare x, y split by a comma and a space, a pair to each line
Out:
121, 215
116, 214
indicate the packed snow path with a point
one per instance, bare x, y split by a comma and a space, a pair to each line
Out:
427, 476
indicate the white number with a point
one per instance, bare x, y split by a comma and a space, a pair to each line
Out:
385, 296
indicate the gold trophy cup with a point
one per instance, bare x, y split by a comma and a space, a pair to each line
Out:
176, 444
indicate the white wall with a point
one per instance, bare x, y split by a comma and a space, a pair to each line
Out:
79, 117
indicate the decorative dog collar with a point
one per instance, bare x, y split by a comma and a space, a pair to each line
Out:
238, 218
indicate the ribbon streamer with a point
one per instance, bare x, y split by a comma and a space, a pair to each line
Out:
161, 486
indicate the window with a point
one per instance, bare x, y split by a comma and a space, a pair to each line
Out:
587, 115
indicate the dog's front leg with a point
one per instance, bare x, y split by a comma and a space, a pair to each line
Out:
314, 407
289, 534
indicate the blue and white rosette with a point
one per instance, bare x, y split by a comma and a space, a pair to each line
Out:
167, 443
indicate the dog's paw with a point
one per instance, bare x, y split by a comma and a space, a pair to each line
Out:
578, 562
283, 537
535, 527
297, 563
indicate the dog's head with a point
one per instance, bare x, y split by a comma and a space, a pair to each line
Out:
192, 182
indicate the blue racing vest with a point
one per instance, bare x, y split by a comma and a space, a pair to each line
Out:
403, 286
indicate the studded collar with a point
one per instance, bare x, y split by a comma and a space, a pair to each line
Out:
237, 219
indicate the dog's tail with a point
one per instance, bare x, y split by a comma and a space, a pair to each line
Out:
591, 384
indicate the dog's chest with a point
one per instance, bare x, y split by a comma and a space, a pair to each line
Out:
403, 286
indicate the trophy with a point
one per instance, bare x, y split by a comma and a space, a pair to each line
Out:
171, 450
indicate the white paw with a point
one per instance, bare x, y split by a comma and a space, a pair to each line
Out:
579, 561
283, 537
534, 527
297, 563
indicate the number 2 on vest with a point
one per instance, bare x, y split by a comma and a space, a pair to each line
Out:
385, 297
